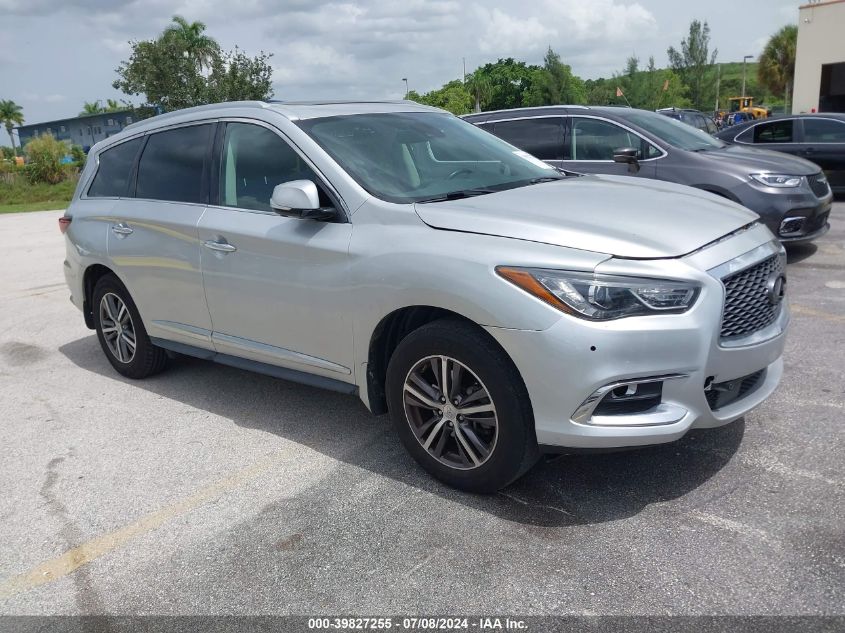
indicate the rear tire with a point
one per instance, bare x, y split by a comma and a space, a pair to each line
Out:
479, 435
121, 332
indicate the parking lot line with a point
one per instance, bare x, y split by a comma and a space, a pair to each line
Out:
83, 554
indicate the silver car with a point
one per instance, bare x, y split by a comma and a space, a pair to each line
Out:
494, 307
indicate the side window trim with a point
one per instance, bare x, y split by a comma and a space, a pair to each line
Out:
133, 173
642, 138
217, 161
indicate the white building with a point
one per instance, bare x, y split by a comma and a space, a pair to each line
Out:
820, 58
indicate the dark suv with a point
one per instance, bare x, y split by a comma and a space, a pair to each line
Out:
697, 119
790, 194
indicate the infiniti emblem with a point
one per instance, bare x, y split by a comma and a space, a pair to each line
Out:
776, 288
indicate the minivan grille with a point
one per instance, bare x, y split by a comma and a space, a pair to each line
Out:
819, 185
747, 305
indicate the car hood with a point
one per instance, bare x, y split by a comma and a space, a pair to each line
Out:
621, 216
751, 160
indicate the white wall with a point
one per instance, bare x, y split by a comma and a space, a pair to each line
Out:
821, 40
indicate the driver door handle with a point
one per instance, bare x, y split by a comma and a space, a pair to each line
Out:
221, 246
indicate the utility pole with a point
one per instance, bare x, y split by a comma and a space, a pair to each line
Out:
718, 84
743, 73
405, 79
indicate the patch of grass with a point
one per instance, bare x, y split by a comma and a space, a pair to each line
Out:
24, 196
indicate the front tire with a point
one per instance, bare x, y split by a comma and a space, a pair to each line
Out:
460, 407
121, 332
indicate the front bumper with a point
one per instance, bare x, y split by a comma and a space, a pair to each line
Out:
563, 365
792, 215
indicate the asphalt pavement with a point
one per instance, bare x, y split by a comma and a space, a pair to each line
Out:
211, 490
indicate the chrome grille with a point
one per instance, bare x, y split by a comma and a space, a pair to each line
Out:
747, 305
818, 183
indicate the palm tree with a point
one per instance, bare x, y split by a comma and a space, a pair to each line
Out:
776, 68
112, 106
479, 89
92, 107
11, 114
201, 48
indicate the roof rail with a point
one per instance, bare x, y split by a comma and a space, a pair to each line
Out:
197, 109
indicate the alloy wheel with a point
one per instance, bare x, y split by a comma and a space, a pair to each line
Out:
117, 327
450, 412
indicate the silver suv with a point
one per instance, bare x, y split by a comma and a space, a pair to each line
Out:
493, 306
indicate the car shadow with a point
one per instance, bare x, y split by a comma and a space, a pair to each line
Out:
567, 490
796, 253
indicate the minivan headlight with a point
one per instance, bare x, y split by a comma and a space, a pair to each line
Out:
602, 297
777, 180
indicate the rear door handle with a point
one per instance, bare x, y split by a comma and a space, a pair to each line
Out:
121, 229
222, 246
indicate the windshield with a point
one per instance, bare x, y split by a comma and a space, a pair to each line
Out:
424, 156
674, 132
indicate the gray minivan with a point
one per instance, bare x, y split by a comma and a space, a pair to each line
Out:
790, 194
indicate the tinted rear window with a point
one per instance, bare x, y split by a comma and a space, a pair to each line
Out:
542, 137
171, 167
115, 165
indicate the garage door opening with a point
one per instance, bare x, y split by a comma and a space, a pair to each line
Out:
832, 89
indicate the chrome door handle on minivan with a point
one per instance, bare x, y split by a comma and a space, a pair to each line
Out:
223, 246
121, 230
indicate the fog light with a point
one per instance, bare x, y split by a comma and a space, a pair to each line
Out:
624, 397
791, 225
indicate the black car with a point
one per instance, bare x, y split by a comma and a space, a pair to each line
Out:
691, 117
816, 137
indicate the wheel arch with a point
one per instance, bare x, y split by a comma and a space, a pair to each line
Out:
92, 275
387, 335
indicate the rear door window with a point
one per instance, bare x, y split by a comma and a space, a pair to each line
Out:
541, 137
824, 131
173, 164
114, 169
774, 132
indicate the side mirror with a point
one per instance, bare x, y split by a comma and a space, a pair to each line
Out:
627, 155
299, 199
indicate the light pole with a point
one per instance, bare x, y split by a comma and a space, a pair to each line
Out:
405, 79
743, 73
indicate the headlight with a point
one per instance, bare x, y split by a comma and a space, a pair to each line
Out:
777, 180
602, 297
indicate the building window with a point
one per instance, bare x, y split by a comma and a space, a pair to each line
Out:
61, 128
35, 131
110, 123
128, 120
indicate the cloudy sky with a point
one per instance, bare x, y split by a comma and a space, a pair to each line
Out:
56, 54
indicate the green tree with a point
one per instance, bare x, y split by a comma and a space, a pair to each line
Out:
168, 71
645, 88
11, 114
776, 67
113, 106
235, 77
478, 86
453, 97
694, 65
44, 159
190, 36
554, 84
507, 81
91, 107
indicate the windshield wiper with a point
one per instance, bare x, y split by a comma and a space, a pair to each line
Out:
457, 195
535, 181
